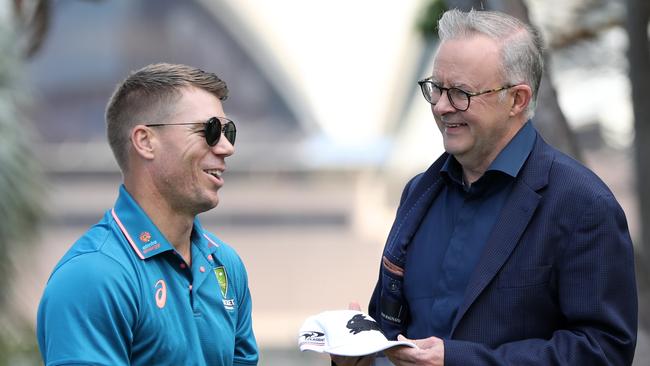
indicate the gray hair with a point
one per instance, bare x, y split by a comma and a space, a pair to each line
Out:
148, 96
522, 61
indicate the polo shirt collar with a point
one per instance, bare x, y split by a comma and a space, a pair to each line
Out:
203, 241
143, 236
509, 161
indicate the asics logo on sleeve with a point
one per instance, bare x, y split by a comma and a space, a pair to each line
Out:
161, 294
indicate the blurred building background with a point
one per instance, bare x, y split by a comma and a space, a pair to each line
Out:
331, 126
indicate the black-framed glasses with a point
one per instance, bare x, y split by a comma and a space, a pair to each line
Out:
214, 127
458, 98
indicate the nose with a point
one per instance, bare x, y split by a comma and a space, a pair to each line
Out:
443, 106
223, 147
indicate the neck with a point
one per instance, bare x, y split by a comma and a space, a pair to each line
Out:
175, 225
475, 165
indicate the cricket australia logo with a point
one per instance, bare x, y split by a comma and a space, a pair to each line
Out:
222, 279
359, 324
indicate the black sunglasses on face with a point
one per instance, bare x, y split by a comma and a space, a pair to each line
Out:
214, 127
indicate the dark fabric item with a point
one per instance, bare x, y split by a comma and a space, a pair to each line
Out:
555, 282
450, 239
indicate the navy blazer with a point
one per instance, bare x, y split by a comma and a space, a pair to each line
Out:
555, 284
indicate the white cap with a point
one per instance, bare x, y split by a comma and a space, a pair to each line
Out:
344, 333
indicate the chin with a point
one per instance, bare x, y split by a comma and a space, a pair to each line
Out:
214, 202
454, 149
207, 204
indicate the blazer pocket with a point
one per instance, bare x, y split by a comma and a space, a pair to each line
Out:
524, 277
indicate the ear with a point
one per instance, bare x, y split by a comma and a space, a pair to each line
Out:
142, 140
522, 97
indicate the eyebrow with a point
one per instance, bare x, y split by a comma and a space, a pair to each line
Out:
461, 86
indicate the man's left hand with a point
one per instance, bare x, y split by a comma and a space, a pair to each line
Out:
430, 352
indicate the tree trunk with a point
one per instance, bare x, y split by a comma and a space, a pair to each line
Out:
549, 119
638, 16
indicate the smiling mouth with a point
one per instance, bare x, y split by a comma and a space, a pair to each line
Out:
454, 125
214, 172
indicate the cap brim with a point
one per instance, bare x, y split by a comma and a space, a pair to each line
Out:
366, 348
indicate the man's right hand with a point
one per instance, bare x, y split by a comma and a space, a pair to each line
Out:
352, 360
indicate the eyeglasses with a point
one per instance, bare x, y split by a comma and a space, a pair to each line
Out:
214, 127
458, 98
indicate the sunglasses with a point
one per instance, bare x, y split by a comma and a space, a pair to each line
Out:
213, 129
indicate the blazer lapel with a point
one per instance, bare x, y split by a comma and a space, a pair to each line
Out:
512, 221
412, 211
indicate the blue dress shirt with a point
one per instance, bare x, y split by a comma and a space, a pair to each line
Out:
450, 239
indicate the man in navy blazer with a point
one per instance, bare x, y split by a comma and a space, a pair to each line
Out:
505, 251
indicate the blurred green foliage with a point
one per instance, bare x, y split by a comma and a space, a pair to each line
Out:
18, 345
21, 199
427, 23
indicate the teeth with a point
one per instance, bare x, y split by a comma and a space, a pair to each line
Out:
216, 172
